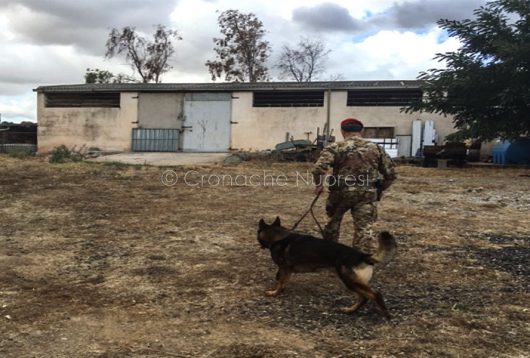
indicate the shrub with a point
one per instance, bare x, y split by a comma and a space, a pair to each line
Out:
62, 154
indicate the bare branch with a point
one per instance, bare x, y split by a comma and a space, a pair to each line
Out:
304, 62
148, 58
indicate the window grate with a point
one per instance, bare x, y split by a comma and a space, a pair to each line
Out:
87, 99
401, 97
288, 99
378, 132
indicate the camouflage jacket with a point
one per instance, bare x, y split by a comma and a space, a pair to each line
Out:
358, 162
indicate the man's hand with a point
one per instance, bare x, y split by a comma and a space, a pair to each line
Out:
318, 189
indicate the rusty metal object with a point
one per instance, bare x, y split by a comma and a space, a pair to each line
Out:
300, 150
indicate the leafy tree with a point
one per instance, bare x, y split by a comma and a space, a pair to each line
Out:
149, 58
98, 76
123, 78
486, 85
304, 62
242, 52
95, 75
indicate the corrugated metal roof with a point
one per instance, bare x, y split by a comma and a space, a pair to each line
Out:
227, 86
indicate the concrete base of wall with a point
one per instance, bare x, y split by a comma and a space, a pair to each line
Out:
164, 159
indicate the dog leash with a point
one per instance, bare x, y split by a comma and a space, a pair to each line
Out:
310, 210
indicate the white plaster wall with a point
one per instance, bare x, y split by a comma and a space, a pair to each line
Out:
262, 128
385, 117
105, 128
257, 128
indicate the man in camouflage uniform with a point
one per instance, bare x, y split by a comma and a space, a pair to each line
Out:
361, 171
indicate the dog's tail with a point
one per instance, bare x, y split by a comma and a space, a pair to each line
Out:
386, 249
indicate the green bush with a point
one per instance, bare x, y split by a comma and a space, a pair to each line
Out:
62, 154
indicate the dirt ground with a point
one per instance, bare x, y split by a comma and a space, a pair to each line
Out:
103, 260
164, 158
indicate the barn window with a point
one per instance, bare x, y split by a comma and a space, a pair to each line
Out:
87, 99
288, 99
378, 132
384, 97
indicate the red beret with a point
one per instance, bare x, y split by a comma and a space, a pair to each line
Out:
350, 123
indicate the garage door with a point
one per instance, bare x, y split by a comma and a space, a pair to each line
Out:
206, 126
155, 140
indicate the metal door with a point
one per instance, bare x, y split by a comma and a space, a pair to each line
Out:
155, 140
160, 110
206, 126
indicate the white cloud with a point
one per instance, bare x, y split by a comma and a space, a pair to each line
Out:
391, 55
19, 108
53, 42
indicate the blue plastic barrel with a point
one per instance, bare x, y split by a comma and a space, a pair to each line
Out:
519, 152
499, 152
512, 153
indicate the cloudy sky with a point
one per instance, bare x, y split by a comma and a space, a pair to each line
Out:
47, 42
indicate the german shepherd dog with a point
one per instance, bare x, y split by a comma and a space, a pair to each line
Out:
294, 252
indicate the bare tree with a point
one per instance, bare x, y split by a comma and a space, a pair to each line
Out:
149, 58
242, 52
304, 62
336, 77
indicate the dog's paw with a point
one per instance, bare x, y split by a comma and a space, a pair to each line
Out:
272, 293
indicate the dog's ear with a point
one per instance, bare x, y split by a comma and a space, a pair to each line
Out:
277, 221
262, 224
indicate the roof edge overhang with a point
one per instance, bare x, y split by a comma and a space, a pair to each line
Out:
231, 87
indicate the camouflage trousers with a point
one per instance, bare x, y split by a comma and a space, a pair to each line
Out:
361, 204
